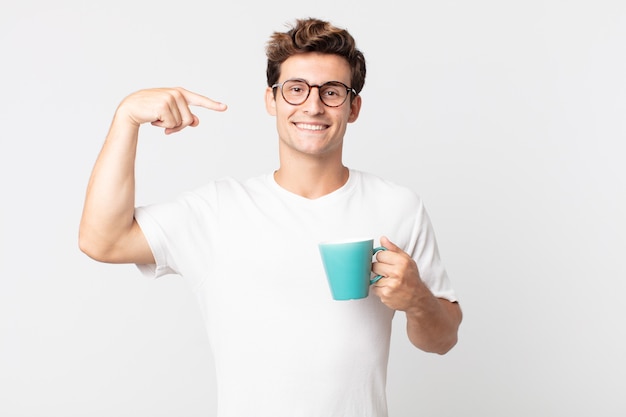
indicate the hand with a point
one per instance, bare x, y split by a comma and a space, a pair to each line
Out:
165, 107
400, 286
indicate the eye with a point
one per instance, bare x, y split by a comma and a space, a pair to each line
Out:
296, 88
333, 90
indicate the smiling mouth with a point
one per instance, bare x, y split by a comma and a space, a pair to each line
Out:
306, 126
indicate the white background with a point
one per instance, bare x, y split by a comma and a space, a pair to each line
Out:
508, 117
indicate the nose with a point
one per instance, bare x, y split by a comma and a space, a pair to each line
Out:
314, 101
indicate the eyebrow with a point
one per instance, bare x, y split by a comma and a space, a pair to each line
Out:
311, 84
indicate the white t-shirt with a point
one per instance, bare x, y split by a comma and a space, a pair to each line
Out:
282, 346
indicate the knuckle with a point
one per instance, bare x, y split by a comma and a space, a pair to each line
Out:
175, 93
162, 108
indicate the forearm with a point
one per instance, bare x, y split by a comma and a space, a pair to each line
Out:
110, 198
433, 323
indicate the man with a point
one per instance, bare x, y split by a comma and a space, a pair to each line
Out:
282, 346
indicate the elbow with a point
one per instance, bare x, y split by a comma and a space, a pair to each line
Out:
440, 347
87, 247
91, 246
443, 336
446, 346
113, 248
452, 335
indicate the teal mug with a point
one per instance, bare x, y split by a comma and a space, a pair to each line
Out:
348, 267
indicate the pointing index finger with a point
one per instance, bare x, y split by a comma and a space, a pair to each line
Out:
194, 99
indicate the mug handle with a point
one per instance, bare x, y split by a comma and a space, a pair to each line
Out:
377, 277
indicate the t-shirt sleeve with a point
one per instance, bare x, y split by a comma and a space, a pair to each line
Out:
176, 229
425, 251
153, 232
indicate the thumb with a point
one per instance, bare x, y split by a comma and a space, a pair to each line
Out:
384, 241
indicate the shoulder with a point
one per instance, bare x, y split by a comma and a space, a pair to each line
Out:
386, 189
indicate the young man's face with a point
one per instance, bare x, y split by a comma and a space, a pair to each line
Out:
312, 128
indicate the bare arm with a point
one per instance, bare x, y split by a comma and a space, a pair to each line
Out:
432, 323
108, 231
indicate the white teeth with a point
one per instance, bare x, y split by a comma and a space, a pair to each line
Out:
310, 127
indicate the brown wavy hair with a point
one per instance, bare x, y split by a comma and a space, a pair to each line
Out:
314, 35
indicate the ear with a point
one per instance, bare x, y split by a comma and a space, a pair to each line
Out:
270, 102
355, 109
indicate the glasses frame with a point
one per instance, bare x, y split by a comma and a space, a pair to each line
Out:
319, 88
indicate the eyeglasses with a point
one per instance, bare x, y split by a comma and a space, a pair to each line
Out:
297, 91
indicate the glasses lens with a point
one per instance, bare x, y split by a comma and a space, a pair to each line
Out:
333, 93
295, 91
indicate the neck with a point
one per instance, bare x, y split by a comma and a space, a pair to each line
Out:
311, 180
